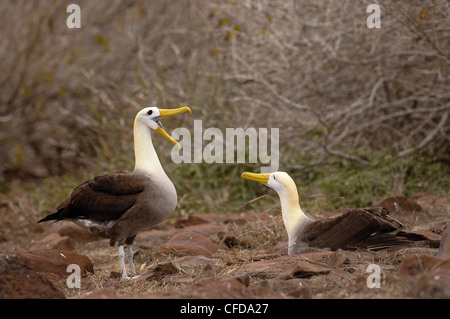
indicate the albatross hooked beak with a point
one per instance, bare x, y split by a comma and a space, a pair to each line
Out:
167, 113
261, 178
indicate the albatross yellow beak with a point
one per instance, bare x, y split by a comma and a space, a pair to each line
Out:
262, 178
163, 132
167, 113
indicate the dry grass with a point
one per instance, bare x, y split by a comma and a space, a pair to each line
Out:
312, 68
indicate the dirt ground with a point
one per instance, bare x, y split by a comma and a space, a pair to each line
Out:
248, 252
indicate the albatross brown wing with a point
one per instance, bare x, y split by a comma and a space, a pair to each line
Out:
119, 183
352, 229
105, 197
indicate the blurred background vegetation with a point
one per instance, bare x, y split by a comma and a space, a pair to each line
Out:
363, 113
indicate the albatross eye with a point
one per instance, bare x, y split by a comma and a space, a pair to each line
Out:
150, 112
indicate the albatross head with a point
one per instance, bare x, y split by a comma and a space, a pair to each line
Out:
151, 117
281, 182
293, 217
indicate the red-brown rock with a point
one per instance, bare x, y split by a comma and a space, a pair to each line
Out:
189, 243
209, 230
216, 289
400, 206
341, 257
431, 274
432, 286
189, 221
18, 281
276, 266
444, 246
55, 261
320, 256
423, 264
291, 287
303, 269
53, 241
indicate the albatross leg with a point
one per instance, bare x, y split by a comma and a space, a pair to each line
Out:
122, 262
130, 260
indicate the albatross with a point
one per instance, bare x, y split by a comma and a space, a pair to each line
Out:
121, 204
368, 228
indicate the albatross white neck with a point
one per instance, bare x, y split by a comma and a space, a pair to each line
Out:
146, 159
293, 215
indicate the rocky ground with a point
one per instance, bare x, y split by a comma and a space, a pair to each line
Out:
227, 256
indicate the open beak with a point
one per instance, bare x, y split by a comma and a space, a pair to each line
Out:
167, 113
261, 178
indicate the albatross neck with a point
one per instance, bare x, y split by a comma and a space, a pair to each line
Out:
146, 159
293, 215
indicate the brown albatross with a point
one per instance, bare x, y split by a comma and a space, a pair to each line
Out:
121, 204
369, 228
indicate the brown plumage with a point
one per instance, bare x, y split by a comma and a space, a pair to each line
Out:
369, 228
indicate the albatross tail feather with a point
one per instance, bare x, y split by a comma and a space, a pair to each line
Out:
400, 239
55, 216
